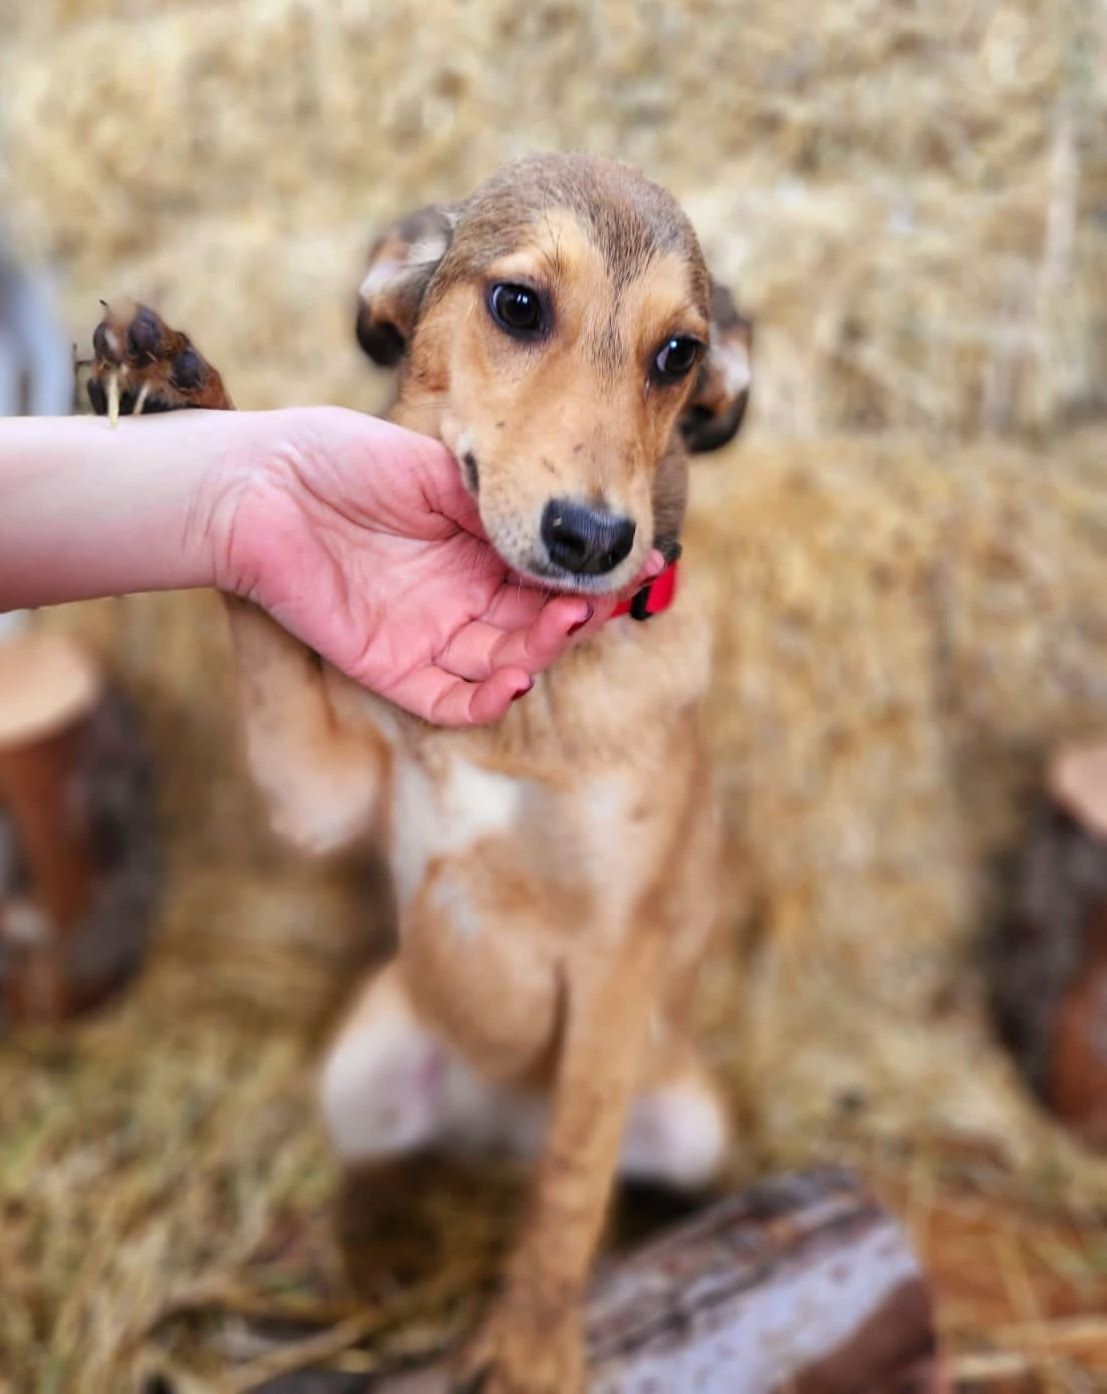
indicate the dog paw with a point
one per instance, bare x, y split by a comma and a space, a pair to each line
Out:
519, 1352
141, 366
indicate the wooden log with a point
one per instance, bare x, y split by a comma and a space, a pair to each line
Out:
801, 1285
76, 870
47, 688
1050, 959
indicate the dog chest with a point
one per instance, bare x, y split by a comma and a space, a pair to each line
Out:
442, 811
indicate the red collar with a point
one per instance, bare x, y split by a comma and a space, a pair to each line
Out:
655, 596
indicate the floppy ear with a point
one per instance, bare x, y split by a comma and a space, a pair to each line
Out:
401, 264
718, 401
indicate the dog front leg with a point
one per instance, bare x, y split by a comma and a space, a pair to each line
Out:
531, 1341
322, 777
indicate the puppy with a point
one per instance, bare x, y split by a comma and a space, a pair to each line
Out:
557, 877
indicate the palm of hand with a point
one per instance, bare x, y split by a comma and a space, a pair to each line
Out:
380, 567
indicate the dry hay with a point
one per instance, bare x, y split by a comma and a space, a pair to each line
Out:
912, 202
911, 196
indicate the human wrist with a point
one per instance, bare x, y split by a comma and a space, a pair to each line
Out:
88, 510
226, 476
246, 493
187, 469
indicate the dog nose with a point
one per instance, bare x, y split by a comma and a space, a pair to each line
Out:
586, 541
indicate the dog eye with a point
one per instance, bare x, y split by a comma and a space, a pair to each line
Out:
518, 309
675, 359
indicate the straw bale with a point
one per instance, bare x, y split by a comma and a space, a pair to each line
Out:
901, 634
909, 196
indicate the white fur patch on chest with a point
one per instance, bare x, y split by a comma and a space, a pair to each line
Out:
616, 851
442, 813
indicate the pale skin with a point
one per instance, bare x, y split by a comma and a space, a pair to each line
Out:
354, 534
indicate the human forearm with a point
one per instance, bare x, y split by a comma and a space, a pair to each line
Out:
357, 536
87, 510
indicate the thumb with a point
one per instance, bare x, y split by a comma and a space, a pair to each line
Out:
425, 479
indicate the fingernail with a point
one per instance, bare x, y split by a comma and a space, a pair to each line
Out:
655, 565
522, 692
589, 611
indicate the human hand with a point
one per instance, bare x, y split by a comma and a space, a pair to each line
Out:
359, 538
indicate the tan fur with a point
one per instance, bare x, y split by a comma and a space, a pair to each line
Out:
557, 877
579, 423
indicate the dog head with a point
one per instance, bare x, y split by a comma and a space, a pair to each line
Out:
558, 330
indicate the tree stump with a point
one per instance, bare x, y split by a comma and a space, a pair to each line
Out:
1051, 953
801, 1285
77, 862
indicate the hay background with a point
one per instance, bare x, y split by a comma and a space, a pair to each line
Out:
905, 554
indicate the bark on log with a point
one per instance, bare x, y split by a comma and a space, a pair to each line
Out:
802, 1285
77, 869
1050, 960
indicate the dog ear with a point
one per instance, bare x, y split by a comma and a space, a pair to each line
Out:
401, 264
718, 401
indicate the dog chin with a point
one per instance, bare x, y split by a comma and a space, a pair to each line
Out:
551, 577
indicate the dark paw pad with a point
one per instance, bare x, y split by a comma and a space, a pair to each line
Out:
144, 367
144, 336
187, 371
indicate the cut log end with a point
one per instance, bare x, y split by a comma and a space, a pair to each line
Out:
46, 683
78, 865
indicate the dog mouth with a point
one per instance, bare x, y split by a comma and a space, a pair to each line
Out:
556, 578
470, 472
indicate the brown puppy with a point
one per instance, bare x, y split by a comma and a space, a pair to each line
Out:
557, 877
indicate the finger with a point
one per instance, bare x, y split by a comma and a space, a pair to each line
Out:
479, 648
402, 482
518, 601
447, 700
652, 567
442, 488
